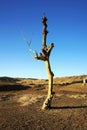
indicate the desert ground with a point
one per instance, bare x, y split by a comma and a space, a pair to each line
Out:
21, 100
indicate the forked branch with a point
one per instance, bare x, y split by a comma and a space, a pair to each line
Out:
44, 55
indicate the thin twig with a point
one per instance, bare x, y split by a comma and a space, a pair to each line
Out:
29, 43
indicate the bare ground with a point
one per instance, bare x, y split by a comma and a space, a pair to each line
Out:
20, 109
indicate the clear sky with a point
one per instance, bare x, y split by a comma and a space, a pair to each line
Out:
67, 26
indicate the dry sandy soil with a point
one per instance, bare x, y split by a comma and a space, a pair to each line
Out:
21, 101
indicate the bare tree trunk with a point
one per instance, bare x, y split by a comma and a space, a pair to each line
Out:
47, 102
44, 56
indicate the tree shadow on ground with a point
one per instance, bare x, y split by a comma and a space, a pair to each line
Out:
13, 87
69, 107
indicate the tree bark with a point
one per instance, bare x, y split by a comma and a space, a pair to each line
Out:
47, 102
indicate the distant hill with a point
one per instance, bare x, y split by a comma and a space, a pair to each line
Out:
7, 79
70, 79
29, 81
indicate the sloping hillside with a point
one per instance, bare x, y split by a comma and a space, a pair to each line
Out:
30, 81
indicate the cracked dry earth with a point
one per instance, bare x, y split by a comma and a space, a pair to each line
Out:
21, 110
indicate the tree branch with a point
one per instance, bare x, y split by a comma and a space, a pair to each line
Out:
50, 47
29, 43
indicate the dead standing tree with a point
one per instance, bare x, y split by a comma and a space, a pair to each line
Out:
44, 56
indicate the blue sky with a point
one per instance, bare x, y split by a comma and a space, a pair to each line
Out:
67, 26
